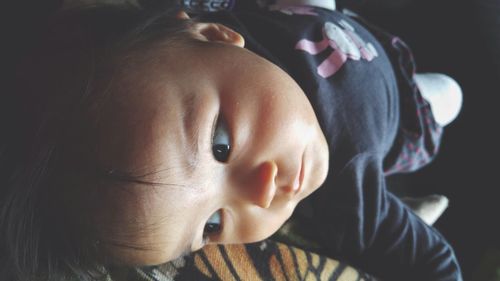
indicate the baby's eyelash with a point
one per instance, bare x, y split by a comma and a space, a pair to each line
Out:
214, 125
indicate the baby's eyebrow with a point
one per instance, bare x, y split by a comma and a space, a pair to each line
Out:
190, 125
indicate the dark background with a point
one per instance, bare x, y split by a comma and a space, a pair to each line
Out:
461, 39
456, 37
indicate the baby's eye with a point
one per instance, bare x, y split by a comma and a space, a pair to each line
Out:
221, 146
213, 224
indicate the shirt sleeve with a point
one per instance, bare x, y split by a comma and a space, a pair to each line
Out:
371, 228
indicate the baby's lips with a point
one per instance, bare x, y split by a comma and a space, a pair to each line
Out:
297, 185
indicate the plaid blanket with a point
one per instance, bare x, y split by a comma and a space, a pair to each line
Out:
266, 260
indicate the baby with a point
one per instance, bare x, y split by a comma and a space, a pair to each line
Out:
141, 137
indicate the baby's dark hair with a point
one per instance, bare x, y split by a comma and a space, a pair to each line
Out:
47, 173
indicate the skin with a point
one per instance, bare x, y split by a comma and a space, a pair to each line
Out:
161, 131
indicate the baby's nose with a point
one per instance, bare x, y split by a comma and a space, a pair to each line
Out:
264, 187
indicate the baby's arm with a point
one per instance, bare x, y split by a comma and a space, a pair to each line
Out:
395, 239
374, 230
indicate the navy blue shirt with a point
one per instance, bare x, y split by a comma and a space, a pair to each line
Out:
376, 123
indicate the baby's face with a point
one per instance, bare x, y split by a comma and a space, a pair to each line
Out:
230, 137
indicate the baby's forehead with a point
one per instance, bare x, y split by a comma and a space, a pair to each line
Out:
138, 122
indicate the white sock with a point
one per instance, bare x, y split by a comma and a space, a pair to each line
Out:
443, 94
428, 208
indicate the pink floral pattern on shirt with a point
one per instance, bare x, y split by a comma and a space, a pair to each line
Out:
344, 41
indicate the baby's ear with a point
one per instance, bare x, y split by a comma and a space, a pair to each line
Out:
215, 32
